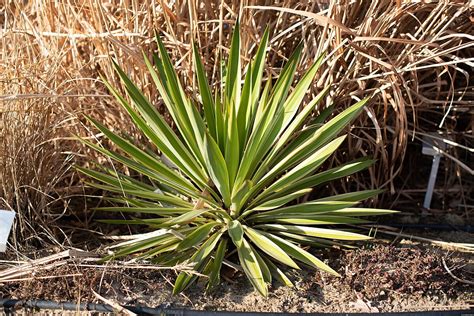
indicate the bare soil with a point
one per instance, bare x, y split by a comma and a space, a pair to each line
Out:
380, 276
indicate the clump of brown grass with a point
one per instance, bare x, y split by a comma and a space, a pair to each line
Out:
34, 166
31, 166
414, 57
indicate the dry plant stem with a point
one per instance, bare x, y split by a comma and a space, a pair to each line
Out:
127, 265
46, 263
42, 278
73, 258
453, 276
443, 244
117, 307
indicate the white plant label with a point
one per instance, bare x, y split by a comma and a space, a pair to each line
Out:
6, 223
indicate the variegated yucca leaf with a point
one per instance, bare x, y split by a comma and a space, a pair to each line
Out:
229, 175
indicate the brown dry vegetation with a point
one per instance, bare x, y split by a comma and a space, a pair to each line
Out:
415, 57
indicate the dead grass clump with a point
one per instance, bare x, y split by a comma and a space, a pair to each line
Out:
31, 167
415, 57
34, 165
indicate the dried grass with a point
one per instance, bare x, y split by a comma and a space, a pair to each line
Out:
415, 57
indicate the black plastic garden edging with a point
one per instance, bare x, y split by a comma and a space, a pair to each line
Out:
11, 305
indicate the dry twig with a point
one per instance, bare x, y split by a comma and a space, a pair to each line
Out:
453, 276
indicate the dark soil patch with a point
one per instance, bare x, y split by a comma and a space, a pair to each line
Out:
409, 270
376, 277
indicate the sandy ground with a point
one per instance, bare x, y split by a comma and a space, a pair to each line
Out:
379, 276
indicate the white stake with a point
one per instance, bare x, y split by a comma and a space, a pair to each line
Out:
6, 223
431, 181
431, 147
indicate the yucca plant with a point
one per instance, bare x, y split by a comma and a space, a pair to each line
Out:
227, 179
